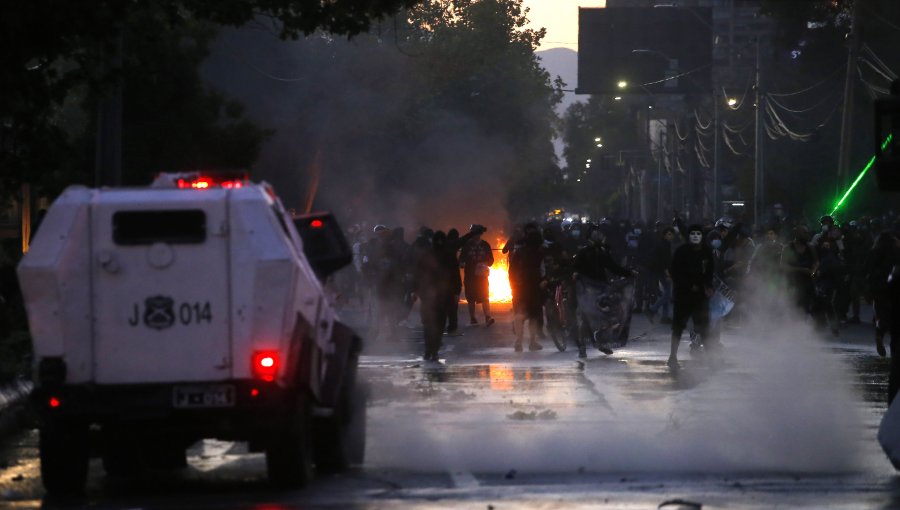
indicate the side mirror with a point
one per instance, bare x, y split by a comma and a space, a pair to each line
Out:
324, 243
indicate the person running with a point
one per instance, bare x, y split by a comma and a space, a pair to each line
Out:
477, 258
692, 273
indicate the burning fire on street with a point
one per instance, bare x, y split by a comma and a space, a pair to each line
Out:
498, 279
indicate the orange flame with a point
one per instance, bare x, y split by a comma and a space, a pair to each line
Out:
500, 292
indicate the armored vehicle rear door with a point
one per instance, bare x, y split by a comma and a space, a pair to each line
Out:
161, 293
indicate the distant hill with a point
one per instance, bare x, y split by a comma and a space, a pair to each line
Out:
562, 62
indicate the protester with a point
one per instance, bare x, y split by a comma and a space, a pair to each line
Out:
433, 283
798, 260
477, 258
692, 272
591, 266
660, 260
879, 262
451, 256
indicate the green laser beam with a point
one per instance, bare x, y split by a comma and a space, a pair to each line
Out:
860, 176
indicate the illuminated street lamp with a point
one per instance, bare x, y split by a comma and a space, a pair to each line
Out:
597, 139
732, 101
618, 98
599, 145
622, 84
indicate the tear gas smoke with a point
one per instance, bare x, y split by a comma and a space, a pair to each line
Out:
781, 403
355, 104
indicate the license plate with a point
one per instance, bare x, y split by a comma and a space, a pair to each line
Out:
203, 396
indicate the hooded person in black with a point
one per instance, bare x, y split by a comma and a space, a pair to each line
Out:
692, 273
433, 283
527, 282
592, 265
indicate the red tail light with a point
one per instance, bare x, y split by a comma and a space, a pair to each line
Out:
264, 365
316, 224
54, 402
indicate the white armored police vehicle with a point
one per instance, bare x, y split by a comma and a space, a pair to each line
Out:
190, 309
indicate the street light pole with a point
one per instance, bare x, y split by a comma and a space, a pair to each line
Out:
715, 204
659, 157
758, 164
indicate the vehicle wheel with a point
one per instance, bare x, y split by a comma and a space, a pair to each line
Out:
289, 456
64, 457
341, 439
119, 454
166, 456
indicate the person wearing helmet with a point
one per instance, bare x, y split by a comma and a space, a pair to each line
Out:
692, 273
476, 257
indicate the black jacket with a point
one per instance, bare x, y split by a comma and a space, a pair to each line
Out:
593, 261
692, 269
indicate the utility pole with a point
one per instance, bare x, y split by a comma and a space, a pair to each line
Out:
108, 149
659, 163
847, 113
758, 152
715, 204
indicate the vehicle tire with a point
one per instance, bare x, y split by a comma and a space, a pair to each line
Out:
64, 457
289, 457
341, 438
166, 455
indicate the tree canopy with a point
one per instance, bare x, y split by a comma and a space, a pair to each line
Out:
57, 55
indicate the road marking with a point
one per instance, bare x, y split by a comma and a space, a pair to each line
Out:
464, 480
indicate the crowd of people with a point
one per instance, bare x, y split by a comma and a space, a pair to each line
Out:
826, 270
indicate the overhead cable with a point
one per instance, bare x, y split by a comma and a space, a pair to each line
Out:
700, 158
700, 122
803, 137
804, 110
875, 68
881, 18
677, 75
873, 88
807, 89
868, 49
737, 130
730, 146
678, 132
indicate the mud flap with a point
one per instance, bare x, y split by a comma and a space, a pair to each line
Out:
340, 367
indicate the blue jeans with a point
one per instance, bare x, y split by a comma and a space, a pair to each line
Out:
661, 305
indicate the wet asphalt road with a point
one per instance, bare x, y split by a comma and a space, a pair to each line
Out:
780, 418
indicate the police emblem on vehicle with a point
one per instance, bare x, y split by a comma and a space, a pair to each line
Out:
159, 312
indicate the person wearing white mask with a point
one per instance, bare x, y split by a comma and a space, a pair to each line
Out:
692, 271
